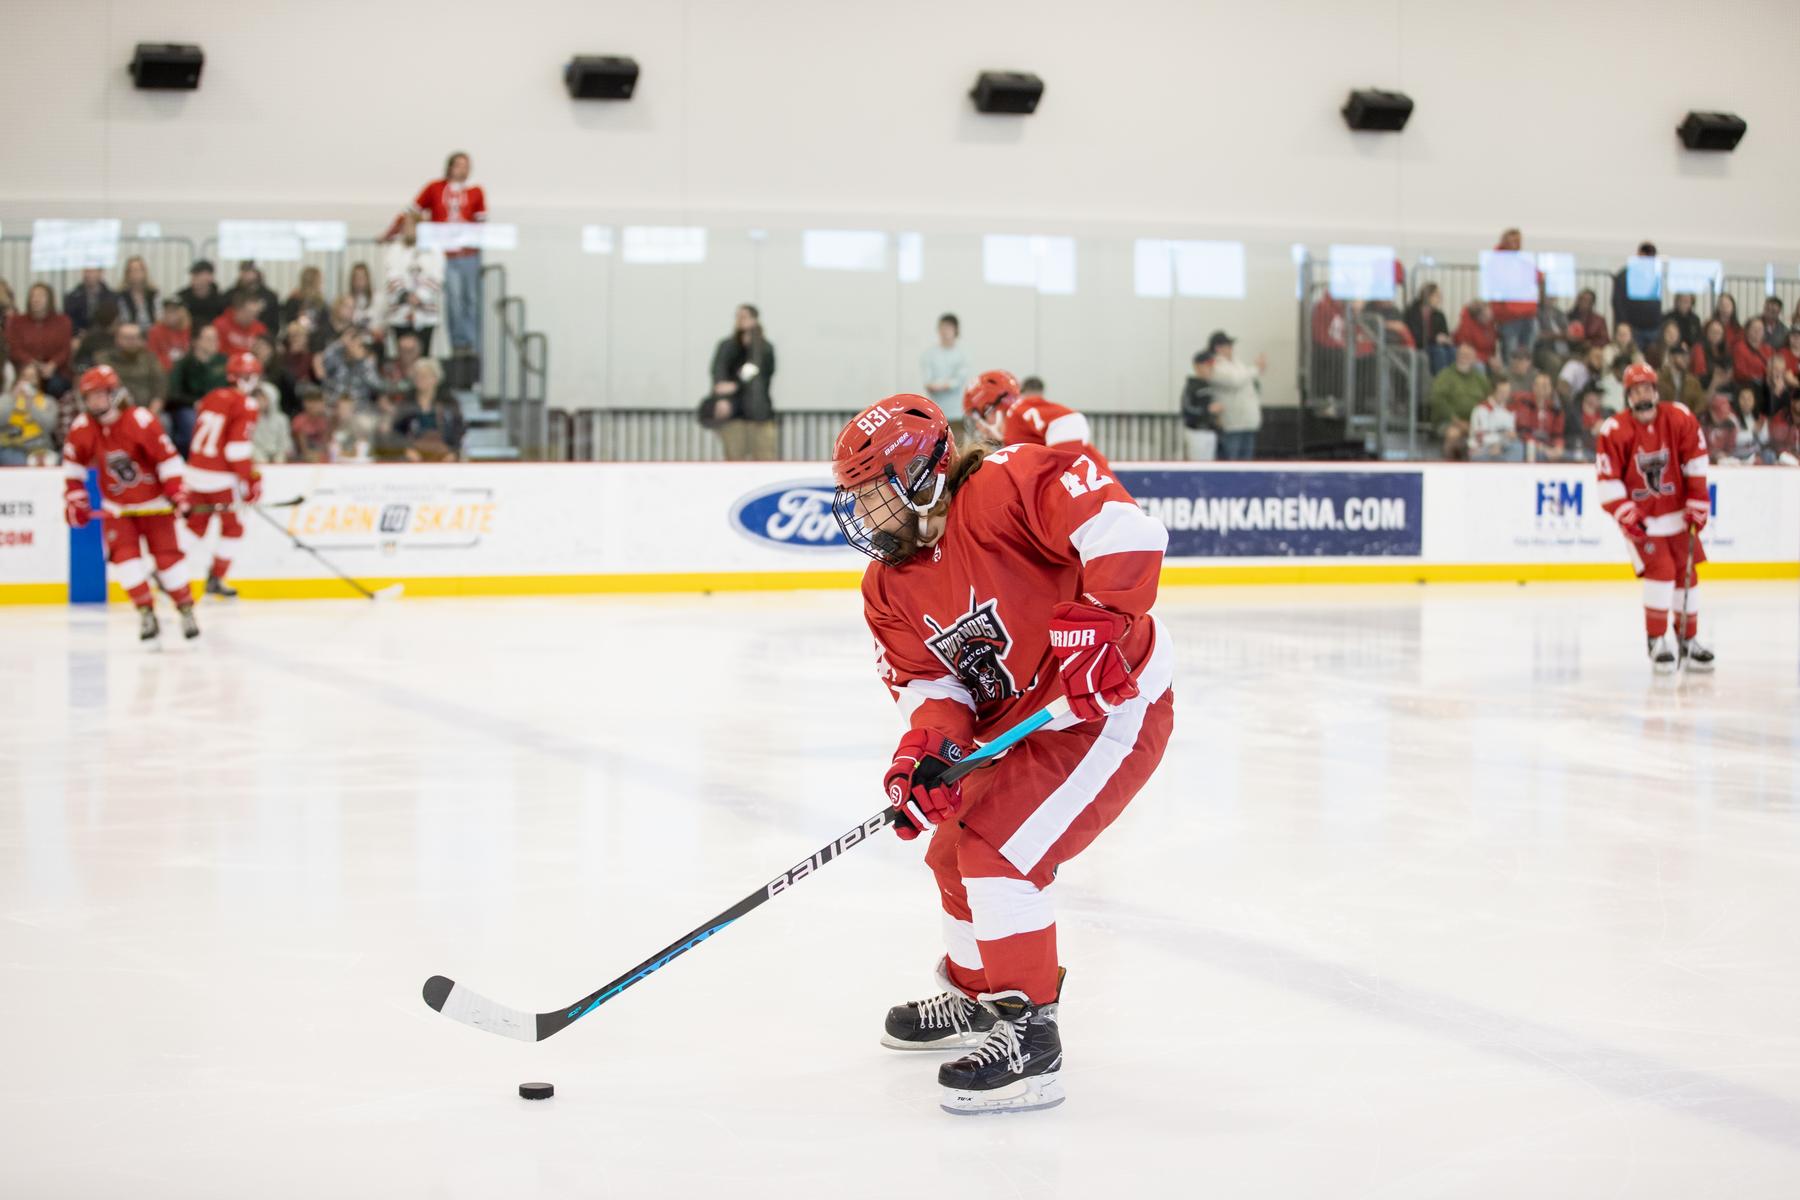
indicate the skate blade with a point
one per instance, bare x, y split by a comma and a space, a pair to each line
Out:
1662, 668
954, 1041
1694, 668
1027, 1095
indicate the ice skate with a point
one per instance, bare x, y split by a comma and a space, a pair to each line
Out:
147, 626
950, 1020
1695, 656
218, 587
1015, 1068
1664, 654
190, 628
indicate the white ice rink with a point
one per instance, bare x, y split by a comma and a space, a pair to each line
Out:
1438, 894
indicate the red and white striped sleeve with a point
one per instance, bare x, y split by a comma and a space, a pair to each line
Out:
237, 437
1076, 510
929, 695
77, 454
1609, 467
1691, 447
158, 447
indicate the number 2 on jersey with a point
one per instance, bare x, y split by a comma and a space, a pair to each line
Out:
1095, 480
208, 429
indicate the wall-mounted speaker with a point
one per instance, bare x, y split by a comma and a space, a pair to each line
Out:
1015, 92
1712, 131
166, 66
1377, 112
601, 77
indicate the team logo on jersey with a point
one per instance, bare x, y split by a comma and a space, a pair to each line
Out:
1653, 465
974, 648
121, 470
790, 514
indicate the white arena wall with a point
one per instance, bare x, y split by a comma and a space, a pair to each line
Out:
596, 528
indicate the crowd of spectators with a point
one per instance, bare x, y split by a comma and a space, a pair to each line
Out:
346, 377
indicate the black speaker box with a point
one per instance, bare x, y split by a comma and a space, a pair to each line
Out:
1016, 92
1712, 131
1377, 112
166, 67
601, 77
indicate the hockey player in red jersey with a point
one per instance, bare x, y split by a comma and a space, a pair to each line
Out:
1000, 583
1652, 467
219, 470
998, 413
140, 492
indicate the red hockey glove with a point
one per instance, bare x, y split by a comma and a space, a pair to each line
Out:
1698, 513
76, 509
1095, 676
912, 783
253, 488
1631, 523
178, 497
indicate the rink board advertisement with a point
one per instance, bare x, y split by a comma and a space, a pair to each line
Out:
500, 529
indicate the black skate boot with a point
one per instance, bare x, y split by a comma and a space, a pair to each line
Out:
190, 628
1664, 656
218, 587
950, 1020
1015, 1069
147, 626
1695, 656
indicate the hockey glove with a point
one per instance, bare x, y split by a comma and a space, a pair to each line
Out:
253, 487
1095, 676
76, 509
912, 783
1698, 512
1631, 523
178, 498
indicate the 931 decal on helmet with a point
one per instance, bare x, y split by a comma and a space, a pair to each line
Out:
974, 648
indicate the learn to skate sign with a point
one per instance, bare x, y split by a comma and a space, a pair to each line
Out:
1306, 514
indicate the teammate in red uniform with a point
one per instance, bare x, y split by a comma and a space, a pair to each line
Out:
997, 412
1000, 583
219, 470
1652, 467
140, 492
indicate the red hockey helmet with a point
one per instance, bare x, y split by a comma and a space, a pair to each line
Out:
1638, 373
243, 365
889, 465
101, 381
990, 389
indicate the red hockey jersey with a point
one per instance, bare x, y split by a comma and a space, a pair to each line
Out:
219, 454
1660, 467
139, 468
1033, 420
962, 628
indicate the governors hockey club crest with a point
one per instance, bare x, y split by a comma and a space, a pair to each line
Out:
974, 648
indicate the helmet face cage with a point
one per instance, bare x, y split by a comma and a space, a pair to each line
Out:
889, 503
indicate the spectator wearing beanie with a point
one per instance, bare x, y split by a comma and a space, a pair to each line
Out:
202, 298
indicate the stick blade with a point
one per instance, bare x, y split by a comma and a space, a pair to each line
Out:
392, 591
471, 1008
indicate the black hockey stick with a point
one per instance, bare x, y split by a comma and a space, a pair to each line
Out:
386, 593
471, 1008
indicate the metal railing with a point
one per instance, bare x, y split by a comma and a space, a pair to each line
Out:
166, 259
1751, 290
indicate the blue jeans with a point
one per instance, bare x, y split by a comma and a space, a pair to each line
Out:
180, 424
462, 301
1514, 334
1441, 356
1238, 447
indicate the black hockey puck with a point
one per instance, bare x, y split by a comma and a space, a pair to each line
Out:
537, 1091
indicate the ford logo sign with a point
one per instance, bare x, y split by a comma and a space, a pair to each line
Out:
790, 514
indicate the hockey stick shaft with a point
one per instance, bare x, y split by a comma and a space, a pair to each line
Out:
258, 510
198, 508
449, 998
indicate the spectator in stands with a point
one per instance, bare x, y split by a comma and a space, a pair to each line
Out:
28, 434
250, 285
1541, 422
1624, 346
306, 303
1591, 413
271, 441
1587, 326
170, 337
1710, 352
350, 369
1780, 385
743, 367
1334, 324
1750, 358
1237, 398
1553, 345
1476, 328
339, 320
430, 425
1519, 371
239, 328
1774, 331
364, 303
201, 297
84, 299
1516, 319
1750, 429
1198, 419
136, 294
268, 394
414, 294
103, 328
453, 199
1581, 371
196, 373
294, 366
137, 368
1643, 313
1430, 331
1686, 320
1493, 433
311, 427
1790, 353
8, 303
396, 372
1720, 429
42, 336
1784, 436
1676, 381
1725, 312
944, 365
1455, 393
354, 429
1612, 385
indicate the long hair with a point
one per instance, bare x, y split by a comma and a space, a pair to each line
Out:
754, 341
961, 471
49, 298
450, 160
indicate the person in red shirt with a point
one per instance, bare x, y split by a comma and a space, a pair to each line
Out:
1516, 320
239, 327
453, 199
1750, 357
1652, 480
220, 471
141, 493
172, 334
1476, 328
1541, 422
1003, 582
42, 336
1725, 313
